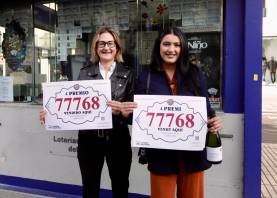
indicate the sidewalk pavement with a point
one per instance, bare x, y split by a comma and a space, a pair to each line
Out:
269, 150
269, 170
14, 194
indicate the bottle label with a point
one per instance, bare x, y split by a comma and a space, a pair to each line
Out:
214, 154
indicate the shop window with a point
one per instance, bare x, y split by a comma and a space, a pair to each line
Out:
16, 64
57, 39
44, 60
200, 20
77, 23
27, 54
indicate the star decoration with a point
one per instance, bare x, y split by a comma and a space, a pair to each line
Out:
161, 9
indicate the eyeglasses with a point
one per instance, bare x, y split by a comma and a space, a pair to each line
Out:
102, 44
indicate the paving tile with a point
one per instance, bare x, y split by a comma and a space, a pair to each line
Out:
13, 194
269, 190
265, 180
265, 193
269, 171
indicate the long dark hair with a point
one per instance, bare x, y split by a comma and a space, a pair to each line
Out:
189, 71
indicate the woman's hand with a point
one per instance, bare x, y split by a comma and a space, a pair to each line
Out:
42, 115
215, 124
127, 108
116, 106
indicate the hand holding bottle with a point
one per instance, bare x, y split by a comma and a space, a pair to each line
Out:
215, 124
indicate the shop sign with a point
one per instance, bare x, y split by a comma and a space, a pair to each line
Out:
204, 51
197, 45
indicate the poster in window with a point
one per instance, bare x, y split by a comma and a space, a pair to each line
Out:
204, 51
14, 45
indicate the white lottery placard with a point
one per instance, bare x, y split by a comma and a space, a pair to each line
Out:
169, 122
74, 105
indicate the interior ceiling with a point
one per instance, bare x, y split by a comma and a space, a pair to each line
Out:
23, 3
18, 3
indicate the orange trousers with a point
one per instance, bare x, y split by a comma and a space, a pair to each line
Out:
187, 185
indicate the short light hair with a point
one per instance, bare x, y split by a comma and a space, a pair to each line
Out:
94, 56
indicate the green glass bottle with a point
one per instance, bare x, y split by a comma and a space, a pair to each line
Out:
213, 145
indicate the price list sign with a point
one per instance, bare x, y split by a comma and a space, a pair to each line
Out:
170, 122
75, 105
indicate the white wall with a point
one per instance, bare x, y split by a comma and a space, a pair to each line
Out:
28, 151
226, 179
270, 22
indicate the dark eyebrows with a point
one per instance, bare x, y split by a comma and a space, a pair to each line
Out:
168, 42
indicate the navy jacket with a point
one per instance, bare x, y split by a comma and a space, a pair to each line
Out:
164, 161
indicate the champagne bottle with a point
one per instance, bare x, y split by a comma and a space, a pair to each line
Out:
213, 145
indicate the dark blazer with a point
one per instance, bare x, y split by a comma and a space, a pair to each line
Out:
163, 161
122, 87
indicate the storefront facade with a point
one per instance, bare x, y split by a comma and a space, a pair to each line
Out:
54, 38
50, 41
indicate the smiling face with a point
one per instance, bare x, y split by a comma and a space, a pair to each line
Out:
106, 47
170, 49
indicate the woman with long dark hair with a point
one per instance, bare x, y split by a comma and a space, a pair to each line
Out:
172, 74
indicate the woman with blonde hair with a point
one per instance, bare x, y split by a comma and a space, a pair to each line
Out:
94, 146
112, 145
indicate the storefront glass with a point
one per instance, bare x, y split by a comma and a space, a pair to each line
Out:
17, 53
58, 37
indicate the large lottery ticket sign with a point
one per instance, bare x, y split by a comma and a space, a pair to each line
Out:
170, 122
74, 105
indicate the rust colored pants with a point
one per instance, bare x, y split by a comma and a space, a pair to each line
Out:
189, 185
